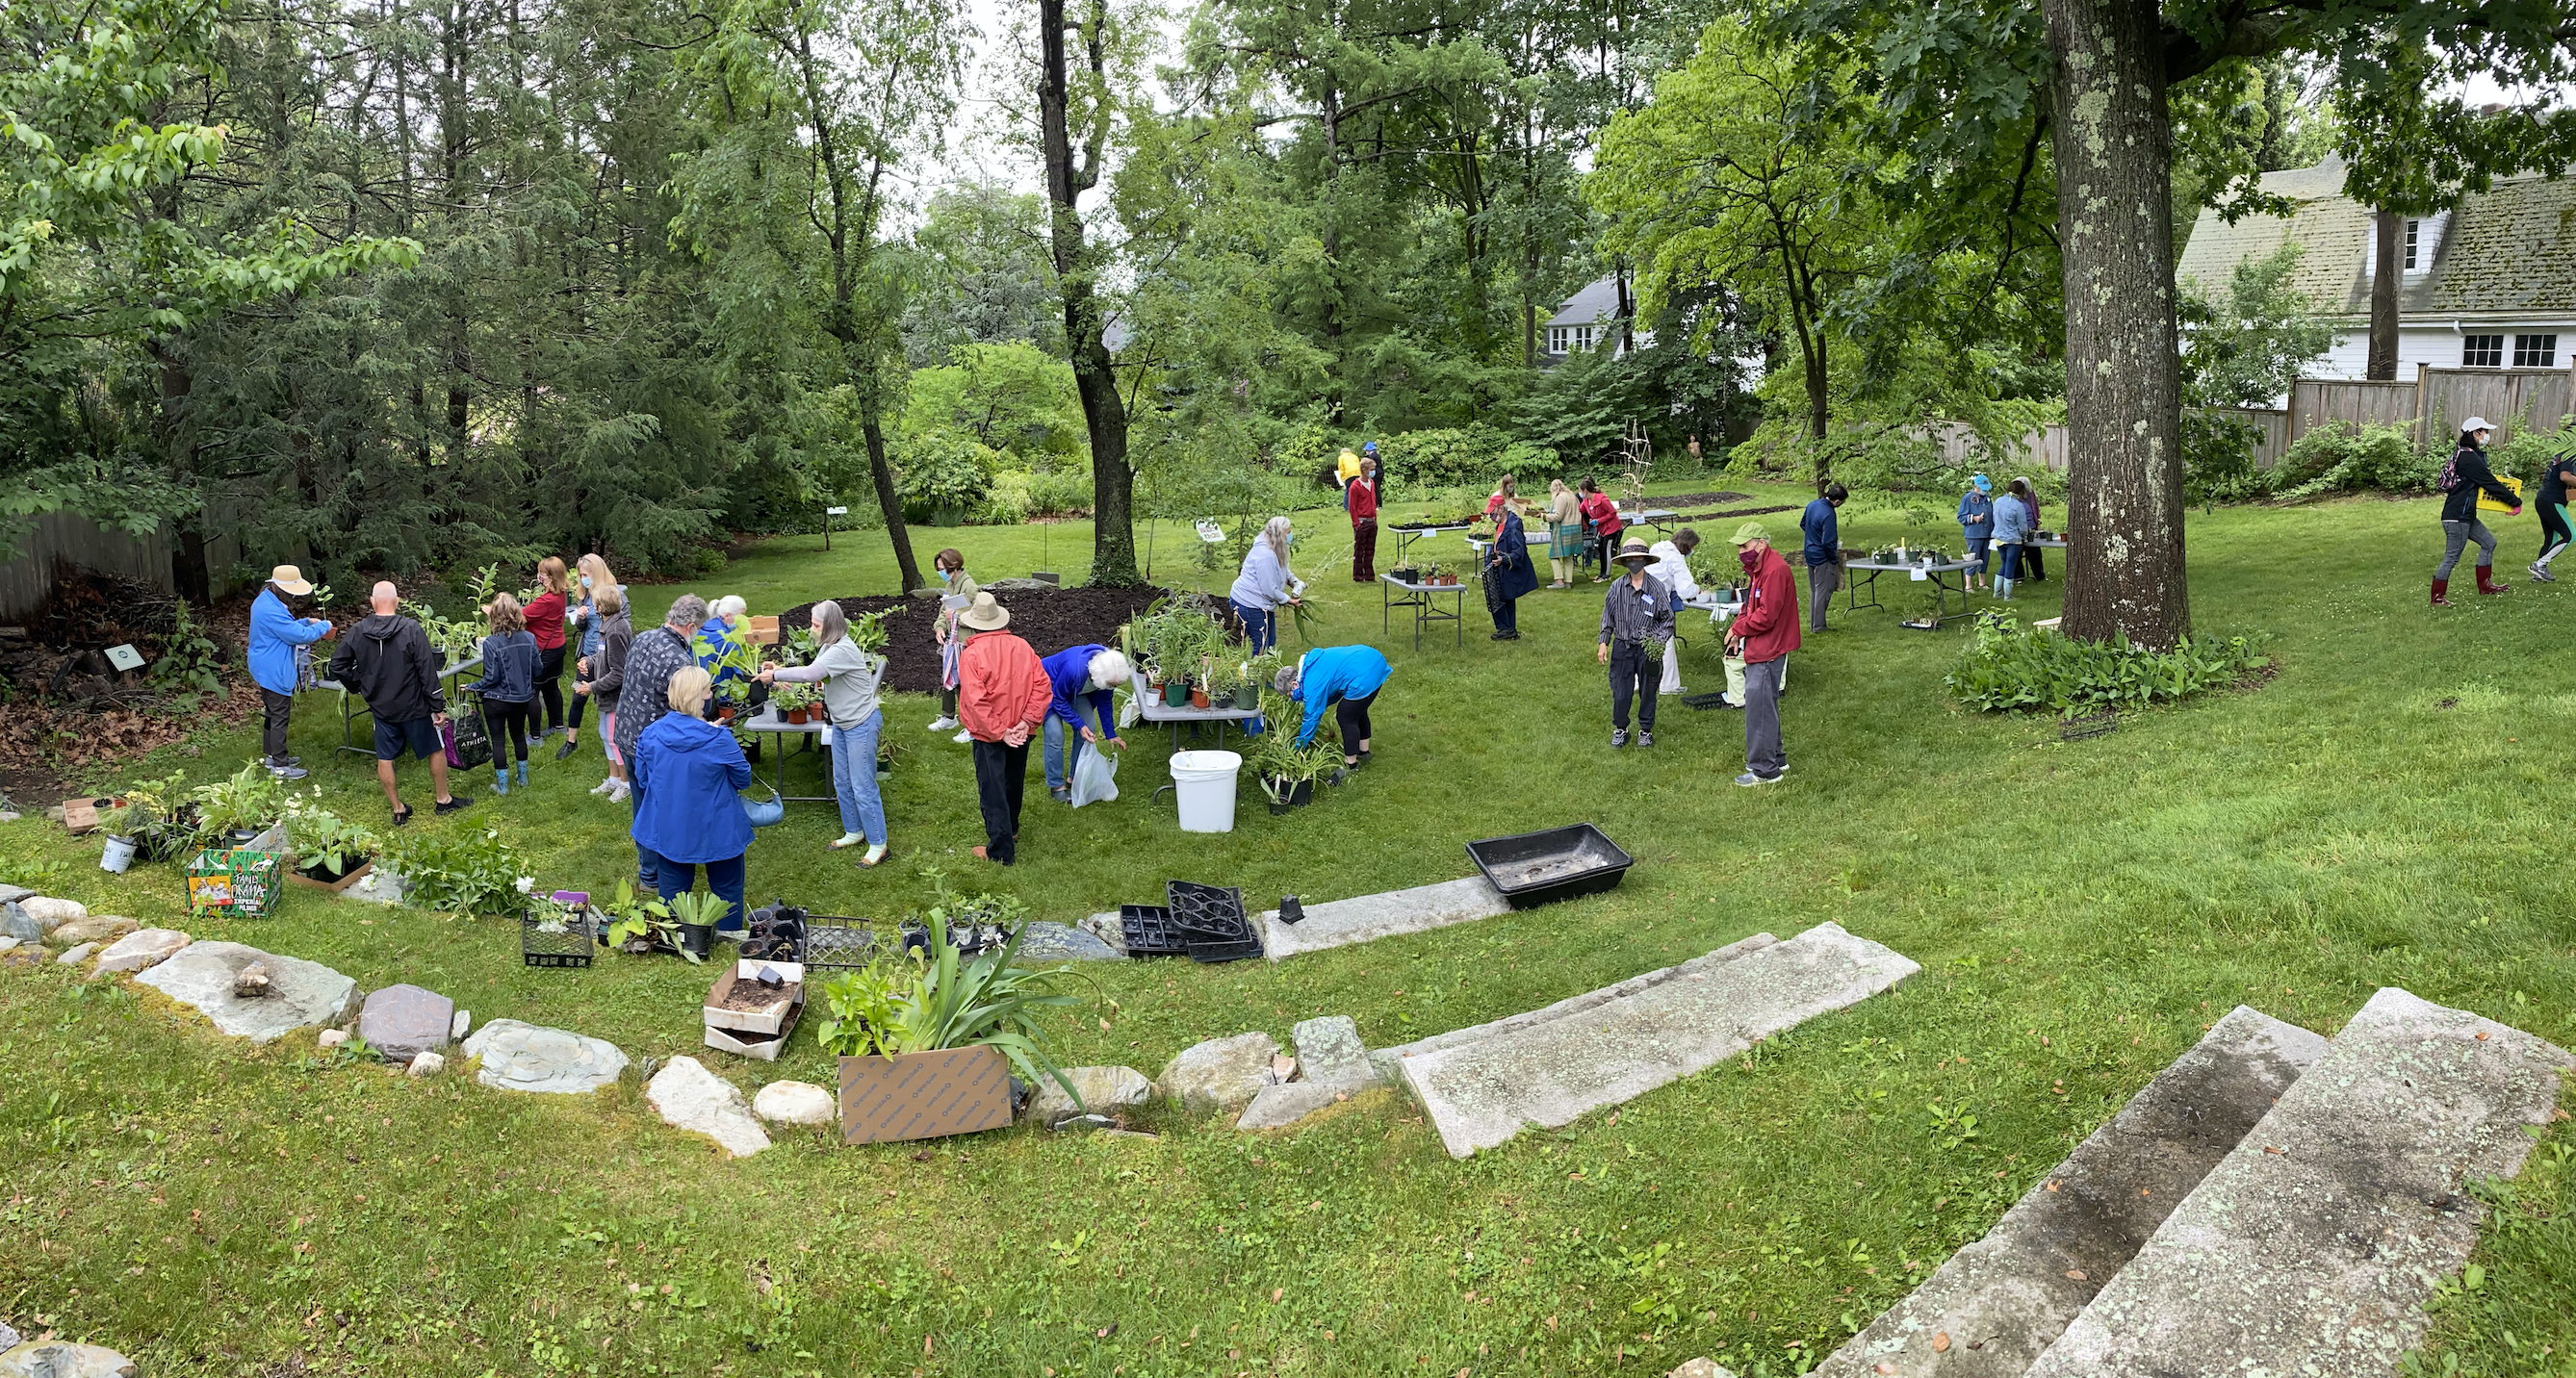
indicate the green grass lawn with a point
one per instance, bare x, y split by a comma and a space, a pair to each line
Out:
2388, 810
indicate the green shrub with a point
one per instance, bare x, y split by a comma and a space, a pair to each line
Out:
474, 872
2347, 459
944, 469
2009, 666
1019, 494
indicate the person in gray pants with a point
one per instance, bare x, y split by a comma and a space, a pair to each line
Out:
1824, 555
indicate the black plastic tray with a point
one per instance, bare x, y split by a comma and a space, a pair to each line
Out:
1561, 863
571, 947
1208, 911
1213, 952
1150, 932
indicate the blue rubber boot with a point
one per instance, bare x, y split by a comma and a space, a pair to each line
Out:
500, 781
523, 772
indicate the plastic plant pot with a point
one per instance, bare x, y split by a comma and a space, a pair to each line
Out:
698, 939
1175, 692
118, 856
1198, 696
1560, 863
1247, 695
1299, 796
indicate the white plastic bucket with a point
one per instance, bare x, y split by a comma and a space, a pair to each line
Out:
1204, 781
118, 856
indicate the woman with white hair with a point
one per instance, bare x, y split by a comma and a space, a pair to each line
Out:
1079, 673
1265, 585
688, 809
1345, 679
724, 650
850, 678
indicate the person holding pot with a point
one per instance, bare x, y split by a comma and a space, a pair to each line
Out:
950, 566
594, 580
1360, 497
388, 660
546, 622
1345, 679
1762, 637
1976, 525
688, 806
603, 672
2462, 480
1264, 585
1003, 694
643, 694
723, 649
1564, 533
1079, 674
508, 688
1636, 626
277, 641
1509, 575
851, 679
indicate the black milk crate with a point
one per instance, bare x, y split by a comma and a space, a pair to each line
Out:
1150, 932
570, 944
835, 944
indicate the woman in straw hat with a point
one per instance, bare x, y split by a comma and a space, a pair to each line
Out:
277, 641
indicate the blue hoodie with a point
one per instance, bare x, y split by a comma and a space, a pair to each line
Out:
686, 773
1069, 670
1337, 672
274, 635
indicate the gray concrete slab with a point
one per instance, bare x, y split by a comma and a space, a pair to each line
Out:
1339, 923
1996, 1304
2313, 1246
1480, 1092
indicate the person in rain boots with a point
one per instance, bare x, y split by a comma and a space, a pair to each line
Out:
2466, 476
2012, 527
508, 688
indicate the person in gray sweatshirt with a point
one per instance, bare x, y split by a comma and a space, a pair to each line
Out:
603, 675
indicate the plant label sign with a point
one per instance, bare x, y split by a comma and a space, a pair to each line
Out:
836, 511
125, 657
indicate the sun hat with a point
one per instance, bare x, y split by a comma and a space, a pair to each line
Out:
1369, 449
2474, 423
291, 579
986, 616
1751, 532
1633, 549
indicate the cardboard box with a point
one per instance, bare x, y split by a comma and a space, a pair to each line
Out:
763, 631
759, 1047
923, 1095
243, 881
297, 877
81, 815
776, 1018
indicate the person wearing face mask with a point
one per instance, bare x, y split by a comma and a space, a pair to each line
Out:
2466, 476
1977, 525
1763, 636
957, 594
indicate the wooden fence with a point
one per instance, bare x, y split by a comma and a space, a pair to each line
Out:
2045, 447
27, 581
2438, 399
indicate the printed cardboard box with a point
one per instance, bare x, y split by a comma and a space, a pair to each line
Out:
242, 881
923, 1095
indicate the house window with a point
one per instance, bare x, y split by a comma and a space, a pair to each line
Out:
2482, 351
1558, 337
2413, 230
2535, 351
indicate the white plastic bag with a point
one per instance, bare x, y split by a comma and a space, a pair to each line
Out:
1130, 711
1095, 777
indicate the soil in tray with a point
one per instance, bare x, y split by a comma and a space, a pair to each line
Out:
750, 997
1049, 620
1518, 875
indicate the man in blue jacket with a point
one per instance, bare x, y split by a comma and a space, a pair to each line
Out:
1078, 673
1824, 551
277, 638
1345, 679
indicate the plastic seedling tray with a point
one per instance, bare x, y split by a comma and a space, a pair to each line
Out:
1207, 911
1150, 932
568, 944
1561, 863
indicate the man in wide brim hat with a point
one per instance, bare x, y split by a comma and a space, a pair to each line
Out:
277, 638
1003, 697
1636, 622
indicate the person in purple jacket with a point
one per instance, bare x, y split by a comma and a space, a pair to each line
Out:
1087, 672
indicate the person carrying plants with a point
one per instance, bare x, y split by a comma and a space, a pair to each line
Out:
1077, 674
2555, 473
1824, 538
1602, 511
1360, 497
1977, 525
643, 693
595, 580
1264, 585
1345, 679
1564, 533
388, 660
603, 671
1763, 635
508, 688
851, 679
1636, 625
277, 636
546, 623
2012, 527
2466, 476
1509, 575
688, 806
1672, 570
723, 649
1003, 694
950, 566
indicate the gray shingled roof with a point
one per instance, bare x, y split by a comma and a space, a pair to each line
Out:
2510, 250
1597, 303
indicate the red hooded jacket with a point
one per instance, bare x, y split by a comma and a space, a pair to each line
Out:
1769, 622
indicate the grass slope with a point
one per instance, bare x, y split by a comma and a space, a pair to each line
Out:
2387, 811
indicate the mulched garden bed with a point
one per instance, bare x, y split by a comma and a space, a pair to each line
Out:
1678, 501
1049, 620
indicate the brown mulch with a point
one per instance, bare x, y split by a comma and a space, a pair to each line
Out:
1738, 512
1048, 620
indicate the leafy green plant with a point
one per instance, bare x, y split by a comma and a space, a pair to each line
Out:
704, 908
2009, 666
31, 874
1278, 764
250, 800
455, 640
157, 814
944, 469
799, 646
191, 665
324, 839
868, 630
919, 1003
473, 872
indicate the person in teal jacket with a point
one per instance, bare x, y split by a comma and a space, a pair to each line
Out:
277, 641
1345, 679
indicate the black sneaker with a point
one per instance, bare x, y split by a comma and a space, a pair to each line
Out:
571, 745
402, 819
459, 802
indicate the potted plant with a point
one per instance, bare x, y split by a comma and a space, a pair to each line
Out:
1286, 771
236, 811
1199, 686
698, 912
330, 852
157, 821
642, 925
793, 702
556, 930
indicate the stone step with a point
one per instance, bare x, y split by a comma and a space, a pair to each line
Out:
1480, 1086
1389, 1061
1339, 923
2312, 1247
1996, 1304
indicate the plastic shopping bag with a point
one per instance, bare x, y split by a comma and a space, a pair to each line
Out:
1095, 777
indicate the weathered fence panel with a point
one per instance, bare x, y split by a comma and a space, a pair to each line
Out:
26, 581
2272, 422
1958, 442
2318, 402
2515, 399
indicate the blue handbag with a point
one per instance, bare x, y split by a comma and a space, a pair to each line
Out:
766, 813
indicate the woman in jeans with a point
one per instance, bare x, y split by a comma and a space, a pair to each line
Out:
2470, 476
1265, 585
545, 619
508, 688
2012, 527
595, 580
688, 812
850, 678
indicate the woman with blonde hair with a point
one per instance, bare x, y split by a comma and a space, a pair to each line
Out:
603, 677
508, 687
688, 811
1564, 533
850, 678
1265, 586
545, 617
593, 580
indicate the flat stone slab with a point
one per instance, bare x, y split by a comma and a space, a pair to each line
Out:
1105, 1090
1277, 1107
2012, 1293
524, 1057
1390, 1061
1042, 941
1329, 1052
147, 948
2312, 1247
688, 1096
16, 922
1549, 1072
402, 1022
302, 994
11, 894
94, 928
59, 1359
1339, 923
73, 957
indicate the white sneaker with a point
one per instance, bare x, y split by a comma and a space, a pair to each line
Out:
963, 737
619, 794
604, 786
942, 723
848, 840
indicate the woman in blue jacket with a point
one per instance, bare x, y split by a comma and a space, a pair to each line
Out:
277, 640
1509, 575
1345, 679
688, 812
1977, 523
508, 687
2012, 527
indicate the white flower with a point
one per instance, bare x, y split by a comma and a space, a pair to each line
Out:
527, 883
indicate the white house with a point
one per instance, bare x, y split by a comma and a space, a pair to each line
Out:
1587, 318
2490, 283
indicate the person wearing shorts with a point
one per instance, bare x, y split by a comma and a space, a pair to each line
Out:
2555, 533
386, 659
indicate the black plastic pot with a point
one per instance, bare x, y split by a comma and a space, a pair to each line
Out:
1561, 863
1298, 797
697, 939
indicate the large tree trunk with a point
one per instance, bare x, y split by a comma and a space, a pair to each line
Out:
887, 501
2113, 138
2388, 268
1104, 412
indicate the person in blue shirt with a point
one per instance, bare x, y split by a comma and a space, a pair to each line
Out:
2012, 527
688, 809
1345, 679
277, 641
1824, 535
1977, 523
1079, 674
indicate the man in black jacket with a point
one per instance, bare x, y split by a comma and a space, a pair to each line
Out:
2468, 477
388, 660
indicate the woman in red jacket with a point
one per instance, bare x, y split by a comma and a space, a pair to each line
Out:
1361, 497
546, 623
1602, 511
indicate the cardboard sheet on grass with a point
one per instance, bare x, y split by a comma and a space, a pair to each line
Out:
923, 1095
242, 881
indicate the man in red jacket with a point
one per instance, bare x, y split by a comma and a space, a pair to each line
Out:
1763, 635
1003, 695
